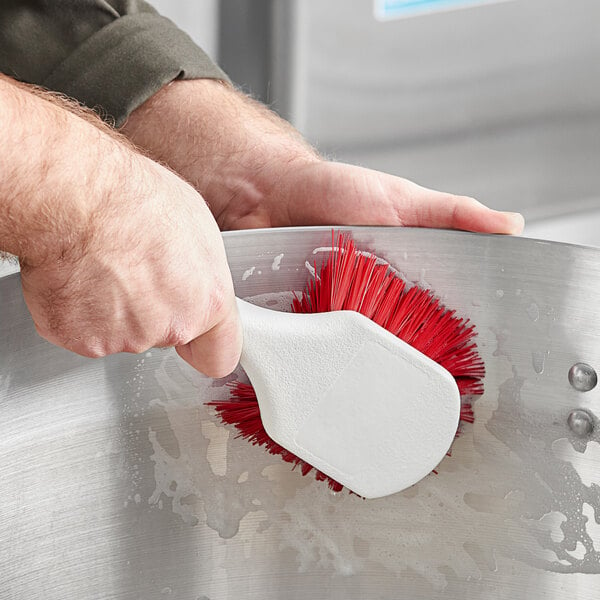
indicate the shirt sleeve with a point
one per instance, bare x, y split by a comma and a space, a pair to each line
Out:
111, 55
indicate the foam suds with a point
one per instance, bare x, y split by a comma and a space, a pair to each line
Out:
585, 463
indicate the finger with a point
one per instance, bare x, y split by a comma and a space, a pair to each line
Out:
216, 353
428, 208
356, 196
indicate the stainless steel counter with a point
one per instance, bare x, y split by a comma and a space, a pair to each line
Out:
117, 482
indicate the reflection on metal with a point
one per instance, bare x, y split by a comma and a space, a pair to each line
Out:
583, 377
117, 482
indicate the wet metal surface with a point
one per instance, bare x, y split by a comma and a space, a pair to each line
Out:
117, 482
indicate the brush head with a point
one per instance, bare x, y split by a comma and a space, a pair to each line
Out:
350, 280
348, 397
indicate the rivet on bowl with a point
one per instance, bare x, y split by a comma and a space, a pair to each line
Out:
581, 423
582, 377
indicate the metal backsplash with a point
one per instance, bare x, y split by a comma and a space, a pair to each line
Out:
499, 101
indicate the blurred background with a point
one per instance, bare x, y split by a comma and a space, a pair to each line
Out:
499, 100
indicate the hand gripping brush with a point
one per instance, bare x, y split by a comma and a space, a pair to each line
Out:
361, 382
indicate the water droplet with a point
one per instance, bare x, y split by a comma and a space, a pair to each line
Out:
533, 311
277, 262
247, 273
538, 359
310, 268
499, 293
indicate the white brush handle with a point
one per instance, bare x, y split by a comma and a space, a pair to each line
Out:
349, 397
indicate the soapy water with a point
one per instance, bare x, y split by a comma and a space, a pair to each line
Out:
554, 471
461, 519
296, 512
504, 492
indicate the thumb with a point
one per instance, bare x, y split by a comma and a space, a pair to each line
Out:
216, 352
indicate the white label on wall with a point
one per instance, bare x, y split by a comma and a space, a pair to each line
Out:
386, 10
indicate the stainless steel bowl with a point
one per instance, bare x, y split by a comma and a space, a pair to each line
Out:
117, 482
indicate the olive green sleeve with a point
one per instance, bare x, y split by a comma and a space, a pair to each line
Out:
111, 55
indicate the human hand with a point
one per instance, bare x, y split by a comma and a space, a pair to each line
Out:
328, 193
255, 170
150, 271
118, 254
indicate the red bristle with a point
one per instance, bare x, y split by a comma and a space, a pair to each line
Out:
360, 284
466, 413
349, 280
389, 302
378, 287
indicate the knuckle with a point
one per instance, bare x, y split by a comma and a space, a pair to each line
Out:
175, 335
92, 352
468, 201
202, 316
90, 348
135, 347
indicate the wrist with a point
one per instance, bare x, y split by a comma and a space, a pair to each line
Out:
59, 166
233, 150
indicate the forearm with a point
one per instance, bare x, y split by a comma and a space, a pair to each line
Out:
225, 144
118, 253
56, 168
